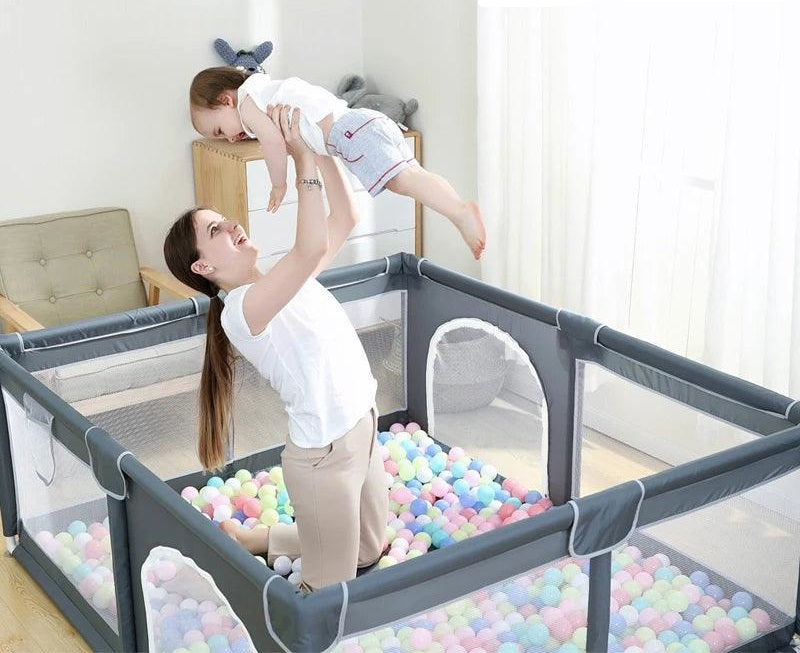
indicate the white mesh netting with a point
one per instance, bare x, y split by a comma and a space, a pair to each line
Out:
147, 398
484, 395
61, 506
185, 608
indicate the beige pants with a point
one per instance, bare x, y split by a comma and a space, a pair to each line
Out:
341, 502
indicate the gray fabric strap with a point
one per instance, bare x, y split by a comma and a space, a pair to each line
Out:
105, 462
605, 520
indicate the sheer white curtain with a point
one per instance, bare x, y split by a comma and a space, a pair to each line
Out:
640, 163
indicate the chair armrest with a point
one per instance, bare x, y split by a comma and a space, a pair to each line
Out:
13, 318
158, 280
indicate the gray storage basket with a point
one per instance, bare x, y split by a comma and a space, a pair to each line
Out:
469, 370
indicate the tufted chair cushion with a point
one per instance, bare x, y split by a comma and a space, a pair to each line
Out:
64, 267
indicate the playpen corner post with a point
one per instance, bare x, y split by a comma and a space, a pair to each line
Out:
123, 579
8, 493
599, 603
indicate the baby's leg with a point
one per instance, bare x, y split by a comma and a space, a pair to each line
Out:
279, 540
436, 193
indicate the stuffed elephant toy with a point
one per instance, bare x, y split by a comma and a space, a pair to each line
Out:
353, 90
247, 60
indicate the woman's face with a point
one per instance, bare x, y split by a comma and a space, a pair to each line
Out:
226, 254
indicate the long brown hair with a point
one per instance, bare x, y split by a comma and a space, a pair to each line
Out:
216, 381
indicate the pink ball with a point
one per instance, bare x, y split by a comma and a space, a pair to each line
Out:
561, 629
725, 604
623, 577
448, 640
396, 428
761, 618
706, 602
692, 591
644, 579
657, 625
647, 615
621, 597
97, 531
93, 549
456, 648
418, 545
406, 534
455, 453
729, 634
535, 509
251, 507
651, 564
165, 570
412, 427
671, 618
633, 569
632, 641
715, 642
577, 618
722, 622
391, 467
189, 493
438, 488
527, 610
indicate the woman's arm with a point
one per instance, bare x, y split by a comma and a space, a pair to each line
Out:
276, 288
344, 214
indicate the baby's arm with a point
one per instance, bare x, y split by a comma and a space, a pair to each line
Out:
273, 149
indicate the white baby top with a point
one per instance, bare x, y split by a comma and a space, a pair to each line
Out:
314, 102
311, 355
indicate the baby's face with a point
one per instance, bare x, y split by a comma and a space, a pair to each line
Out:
219, 122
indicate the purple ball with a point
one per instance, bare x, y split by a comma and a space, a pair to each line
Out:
682, 628
715, 592
691, 612
743, 600
467, 500
699, 578
532, 497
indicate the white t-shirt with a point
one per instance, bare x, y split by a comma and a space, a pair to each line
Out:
314, 101
312, 356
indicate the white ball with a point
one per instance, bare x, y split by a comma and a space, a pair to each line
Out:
282, 565
297, 565
294, 578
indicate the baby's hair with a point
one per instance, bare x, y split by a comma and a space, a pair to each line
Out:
210, 83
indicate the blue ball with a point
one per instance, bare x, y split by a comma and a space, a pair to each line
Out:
568, 647
408, 445
715, 592
514, 502
640, 603
742, 600
432, 450
550, 595
699, 578
283, 497
239, 515
532, 497
441, 504
460, 486
478, 506
502, 495
413, 484
458, 469
485, 494
414, 453
517, 595
667, 637
467, 500
384, 437
285, 519
691, 612
664, 573
507, 636
737, 612
414, 527
553, 576
419, 507
617, 624
479, 623
240, 646
688, 637
447, 541
215, 481
476, 464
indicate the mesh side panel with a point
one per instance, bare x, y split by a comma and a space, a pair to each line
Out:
726, 573
147, 398
485, 396
543, 610
61, 506
185, 608
625, 432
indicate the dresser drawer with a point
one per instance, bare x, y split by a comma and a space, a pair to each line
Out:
275, 232
259, 184
360, 248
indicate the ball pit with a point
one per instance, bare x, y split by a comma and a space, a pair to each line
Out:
83, 554
546, 612
436, 498
180, 624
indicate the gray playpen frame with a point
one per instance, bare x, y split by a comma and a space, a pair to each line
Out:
276, 616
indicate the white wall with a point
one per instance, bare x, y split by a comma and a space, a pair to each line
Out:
95, 112
426, 50
94, 109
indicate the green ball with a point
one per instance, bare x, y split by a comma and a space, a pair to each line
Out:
746, 628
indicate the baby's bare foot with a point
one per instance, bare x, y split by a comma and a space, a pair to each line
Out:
255, 540
472, 228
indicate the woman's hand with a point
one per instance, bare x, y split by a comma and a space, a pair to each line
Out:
290, 130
